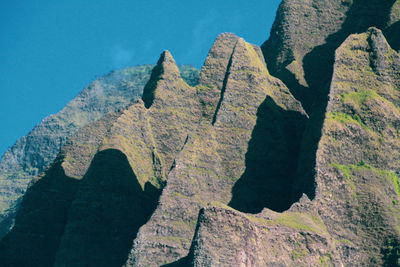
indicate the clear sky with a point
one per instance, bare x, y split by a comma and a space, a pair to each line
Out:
51, 49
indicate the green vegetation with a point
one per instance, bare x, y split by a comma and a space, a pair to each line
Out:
177, 194
299, 253
360, 97
326, 260
299, 221
346, 118
395, 180
345, 241
350, 170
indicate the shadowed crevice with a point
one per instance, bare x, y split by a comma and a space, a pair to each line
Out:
393, 36
107, 213
391, 252
187, 261
151, 86
271, 160
224, 83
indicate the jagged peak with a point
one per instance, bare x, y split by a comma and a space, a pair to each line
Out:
376, 38
246, 51
166, 69
362, 53
226, 36
248, 58
372, 40
167, 62
215, 67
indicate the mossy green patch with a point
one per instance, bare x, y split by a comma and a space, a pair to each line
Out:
350, 170
257, 220
395, 180
347, 172
254, 57
346, 118
177, 194
299, 221
360, 97
326, 260
299, 253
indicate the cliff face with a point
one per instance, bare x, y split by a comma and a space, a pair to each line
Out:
234, 171
301, 52
357, 165
354, 217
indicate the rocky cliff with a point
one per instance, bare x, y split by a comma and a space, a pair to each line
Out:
243, 168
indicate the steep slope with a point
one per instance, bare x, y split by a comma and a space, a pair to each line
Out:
148, 144
32, 153
35, 151
358, 155
103, 171
301, 50
216, 156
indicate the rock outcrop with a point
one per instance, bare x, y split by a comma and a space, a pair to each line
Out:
301, 52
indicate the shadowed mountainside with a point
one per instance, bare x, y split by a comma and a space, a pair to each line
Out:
34, 152
271, 161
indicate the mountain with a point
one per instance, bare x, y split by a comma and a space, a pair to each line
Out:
33, 153
284, 155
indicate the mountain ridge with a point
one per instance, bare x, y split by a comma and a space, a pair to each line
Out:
243, 169
34, 152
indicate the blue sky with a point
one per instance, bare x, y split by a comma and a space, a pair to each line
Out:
50, 50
